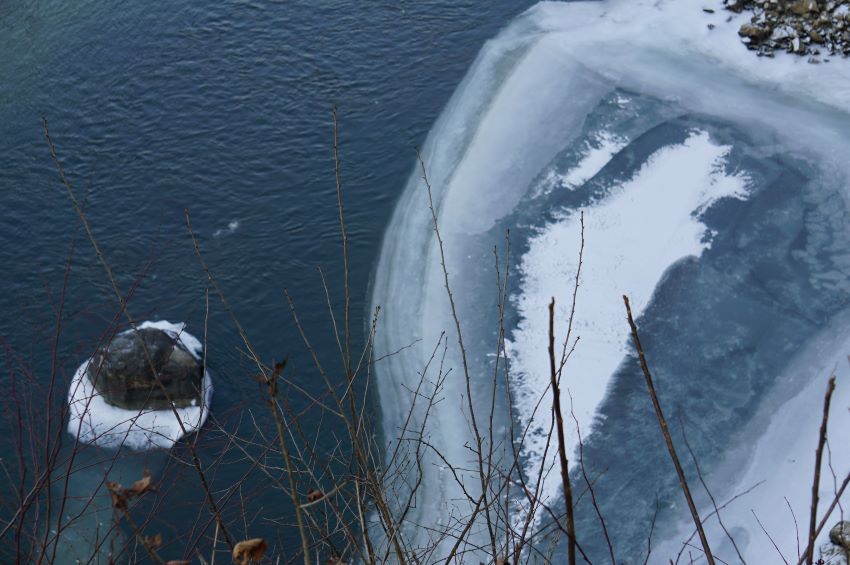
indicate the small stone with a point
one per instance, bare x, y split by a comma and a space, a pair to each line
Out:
782, 32
803, 7
753, 32
735, 5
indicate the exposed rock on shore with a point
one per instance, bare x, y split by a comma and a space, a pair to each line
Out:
810, 28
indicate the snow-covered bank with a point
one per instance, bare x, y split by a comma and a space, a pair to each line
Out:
93, 420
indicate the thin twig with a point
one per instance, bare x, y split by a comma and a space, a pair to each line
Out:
662, 422
776, 547
562, 448
708, 491
813, 515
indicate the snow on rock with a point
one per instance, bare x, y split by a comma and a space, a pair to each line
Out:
837, 550
93, 420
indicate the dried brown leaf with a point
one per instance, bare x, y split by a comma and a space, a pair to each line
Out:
314, 494
119, 501
141, 486
249, 550
152, 542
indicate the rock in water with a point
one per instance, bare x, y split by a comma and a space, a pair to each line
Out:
107, 416
123, 375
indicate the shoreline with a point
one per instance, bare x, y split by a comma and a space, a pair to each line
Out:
815, 28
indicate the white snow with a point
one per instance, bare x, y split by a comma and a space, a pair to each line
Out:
177, 331
94, 421
632, 237
593, 161
596, 155
232, 226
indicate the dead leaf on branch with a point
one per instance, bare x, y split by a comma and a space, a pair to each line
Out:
314, 494
141, 486
250, 550
152, 542
120, 495
119, 501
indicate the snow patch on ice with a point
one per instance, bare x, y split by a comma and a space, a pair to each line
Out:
93, 420
632, 237
597, 154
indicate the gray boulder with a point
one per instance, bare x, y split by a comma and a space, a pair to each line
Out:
122, 373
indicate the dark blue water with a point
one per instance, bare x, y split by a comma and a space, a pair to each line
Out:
222, 109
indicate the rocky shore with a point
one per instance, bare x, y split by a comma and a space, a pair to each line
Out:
817, 29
